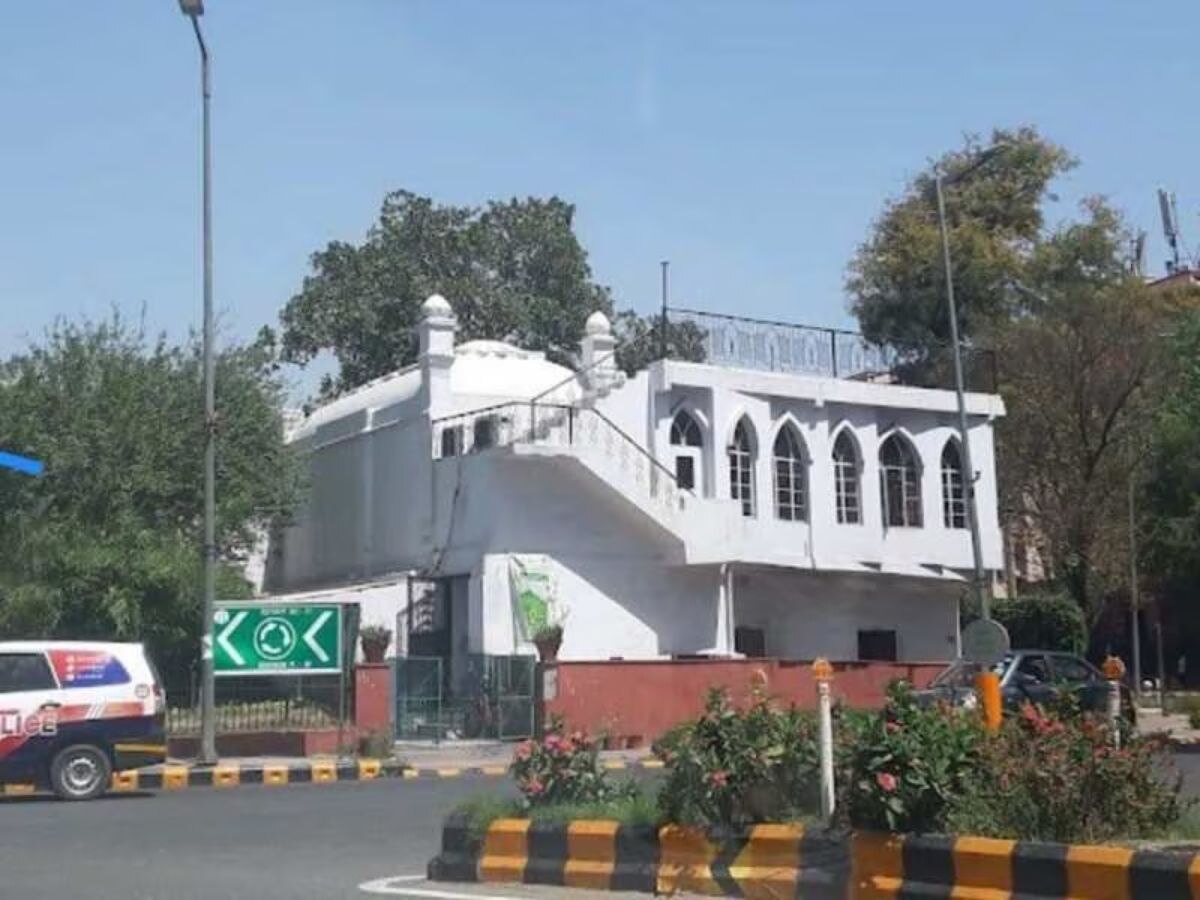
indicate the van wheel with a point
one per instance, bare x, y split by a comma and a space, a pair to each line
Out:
80, 772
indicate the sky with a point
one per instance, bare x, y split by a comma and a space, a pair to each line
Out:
750, 143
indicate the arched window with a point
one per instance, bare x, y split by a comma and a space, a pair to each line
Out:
954, 497
741, 467
901, 477
791, 488
845, 480
685, 432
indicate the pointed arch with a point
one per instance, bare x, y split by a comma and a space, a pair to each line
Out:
686, 430
954, 495
742, 451
687, 438
900, 477
790, 468
847, 476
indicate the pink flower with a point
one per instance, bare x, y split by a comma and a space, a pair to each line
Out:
886, 781
534, 787
524, 749
719, 778
892, 727
553, 743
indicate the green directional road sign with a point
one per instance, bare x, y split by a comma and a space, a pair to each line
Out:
261, 639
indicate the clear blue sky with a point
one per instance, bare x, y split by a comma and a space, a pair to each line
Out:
751, 143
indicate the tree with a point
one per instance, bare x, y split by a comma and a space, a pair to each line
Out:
639, 341
107, 543
1043, 621
1076, 336
896, 279
1081, 371
512, 270
1170, 473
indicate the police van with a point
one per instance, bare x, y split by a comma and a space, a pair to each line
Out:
73, 712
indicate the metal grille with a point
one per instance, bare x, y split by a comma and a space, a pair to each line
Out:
493, 698
258, 704
744, 343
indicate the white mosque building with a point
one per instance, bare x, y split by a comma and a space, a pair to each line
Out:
694, 509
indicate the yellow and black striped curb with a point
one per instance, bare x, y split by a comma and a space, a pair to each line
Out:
173, 778
782, 860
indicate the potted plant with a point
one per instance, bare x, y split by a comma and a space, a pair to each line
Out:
375, 640
548, 639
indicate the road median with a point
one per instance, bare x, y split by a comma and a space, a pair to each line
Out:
183, 776
790, 860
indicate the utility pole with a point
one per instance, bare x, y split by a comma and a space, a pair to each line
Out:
1134, 595
662, 333
978, 587
193, 9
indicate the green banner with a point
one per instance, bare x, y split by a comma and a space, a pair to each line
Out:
533, 594
261, 639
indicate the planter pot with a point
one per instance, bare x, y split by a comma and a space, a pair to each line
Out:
373, 651
547, 647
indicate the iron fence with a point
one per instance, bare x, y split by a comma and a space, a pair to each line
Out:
741, 342
259, 704
487, 697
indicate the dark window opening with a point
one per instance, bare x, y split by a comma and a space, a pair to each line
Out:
751, 642
685, 432
451, 441
877, 645
685, 472
484, 433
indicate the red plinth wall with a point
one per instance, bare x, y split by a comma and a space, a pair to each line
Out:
373, 697
635, 702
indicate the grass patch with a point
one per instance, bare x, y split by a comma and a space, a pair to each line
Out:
1187, 827
483, 809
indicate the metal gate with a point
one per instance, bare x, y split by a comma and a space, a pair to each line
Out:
490, 697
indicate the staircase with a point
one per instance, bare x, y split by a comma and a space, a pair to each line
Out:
582, 434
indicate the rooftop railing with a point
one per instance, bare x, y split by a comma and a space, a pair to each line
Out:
759, 344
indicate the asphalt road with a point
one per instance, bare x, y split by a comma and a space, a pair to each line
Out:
296, 842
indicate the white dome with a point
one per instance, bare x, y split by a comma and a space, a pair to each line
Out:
436, 305
492, 370
597, 324
500, 370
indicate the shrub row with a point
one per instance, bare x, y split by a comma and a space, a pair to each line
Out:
1046, 775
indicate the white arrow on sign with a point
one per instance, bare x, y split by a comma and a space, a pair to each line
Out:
310, 636
227, 632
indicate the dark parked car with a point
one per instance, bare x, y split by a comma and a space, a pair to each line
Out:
1038, 676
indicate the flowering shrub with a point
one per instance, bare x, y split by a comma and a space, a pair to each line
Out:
734, 767
900, 770
561, 768
1056, 777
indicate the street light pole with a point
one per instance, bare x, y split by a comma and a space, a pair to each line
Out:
193, 9
978, 588
662, 327
1134, 595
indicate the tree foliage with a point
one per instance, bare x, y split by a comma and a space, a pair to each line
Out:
994, 217
1170, 475
1082, 371
107, 543
1049, 621
1078, 340
513, 270
639, 341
